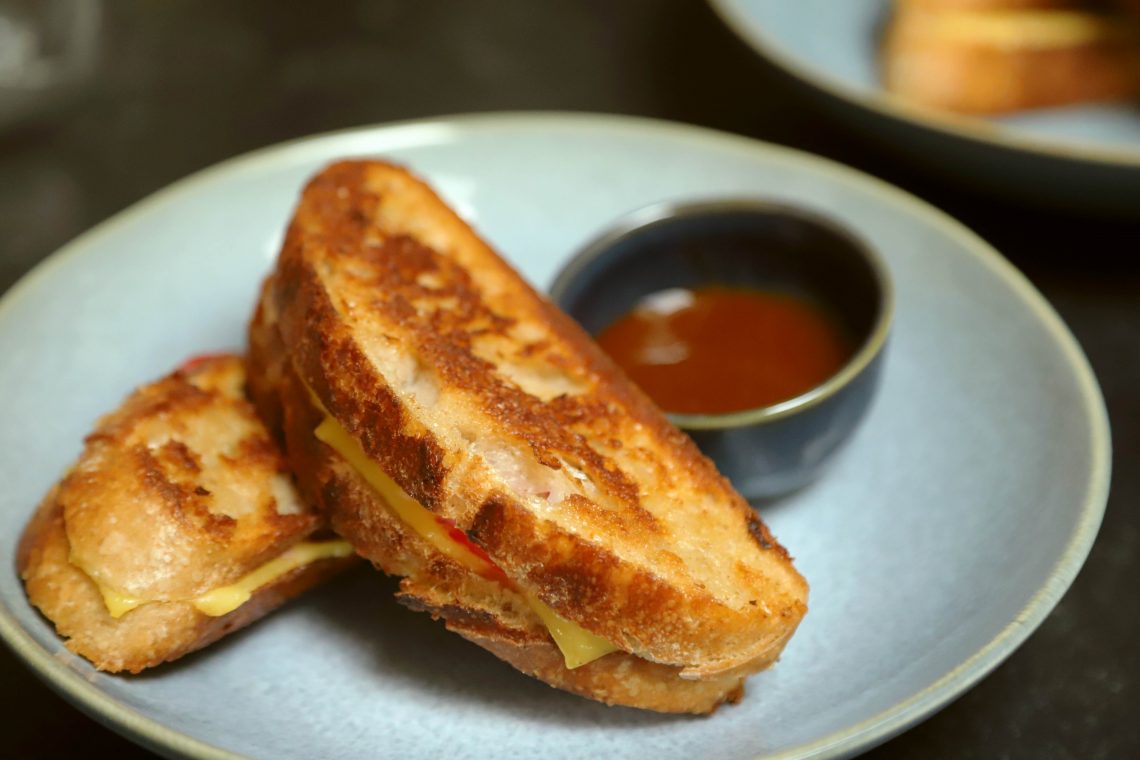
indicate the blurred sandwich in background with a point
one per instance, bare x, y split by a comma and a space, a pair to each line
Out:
998, 56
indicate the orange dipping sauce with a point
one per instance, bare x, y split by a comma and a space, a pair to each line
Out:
721, 349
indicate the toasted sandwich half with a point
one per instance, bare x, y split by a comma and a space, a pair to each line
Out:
178, 525
464, 434
997, 56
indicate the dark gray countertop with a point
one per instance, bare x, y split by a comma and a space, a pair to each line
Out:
181, 85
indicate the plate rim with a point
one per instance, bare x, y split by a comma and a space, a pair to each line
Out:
885, 105
419, 132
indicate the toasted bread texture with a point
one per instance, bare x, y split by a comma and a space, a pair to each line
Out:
481, 610
177, 493
494, 411
996, 61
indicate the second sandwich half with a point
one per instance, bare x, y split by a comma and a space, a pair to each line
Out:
464, 434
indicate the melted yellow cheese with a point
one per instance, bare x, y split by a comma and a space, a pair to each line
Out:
118, 604
578, 646
225, 599
406, 508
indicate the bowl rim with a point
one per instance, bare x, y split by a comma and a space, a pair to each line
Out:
659, 213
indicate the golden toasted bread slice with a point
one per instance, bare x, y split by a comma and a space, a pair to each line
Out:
994, 61
177, 525
421, 354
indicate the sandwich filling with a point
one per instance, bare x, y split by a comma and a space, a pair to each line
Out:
578, 646
225, 599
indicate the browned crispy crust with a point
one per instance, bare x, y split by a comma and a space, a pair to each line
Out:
494, 410
149, 635
479, 609
616, 679
176, 493
930, 65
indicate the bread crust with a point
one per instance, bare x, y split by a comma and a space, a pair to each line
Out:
495, 411
933, 59
482, 610
176, 493
149, 635
616, 679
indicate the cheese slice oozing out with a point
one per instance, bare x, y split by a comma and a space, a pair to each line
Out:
225, 599
578, 645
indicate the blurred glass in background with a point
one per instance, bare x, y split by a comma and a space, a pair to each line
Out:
48, 48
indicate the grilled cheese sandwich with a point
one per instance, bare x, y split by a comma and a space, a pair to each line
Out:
994, 56
176, 526
464, 435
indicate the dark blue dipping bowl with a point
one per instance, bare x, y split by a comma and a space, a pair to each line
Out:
770, 450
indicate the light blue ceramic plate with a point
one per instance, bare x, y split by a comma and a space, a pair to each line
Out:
953, 523
1080, 156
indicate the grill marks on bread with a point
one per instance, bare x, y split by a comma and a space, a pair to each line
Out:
188, 502
192, 455
481, 610
584, 495
449, 323
179, 491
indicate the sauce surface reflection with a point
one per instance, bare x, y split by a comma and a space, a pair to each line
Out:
721, 349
